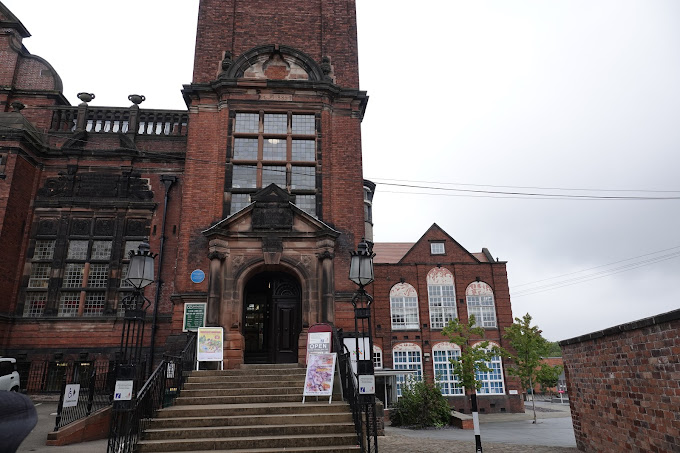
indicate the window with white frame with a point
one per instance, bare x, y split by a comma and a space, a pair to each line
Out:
492, 381
377, 357
404, 307
441, 296
437, 248
407, 356
480, 303
274, 148
448, 382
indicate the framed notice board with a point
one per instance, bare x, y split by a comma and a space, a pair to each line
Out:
194, 316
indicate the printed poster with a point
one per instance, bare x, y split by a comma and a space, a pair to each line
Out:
318, 342
210, 344
320, 372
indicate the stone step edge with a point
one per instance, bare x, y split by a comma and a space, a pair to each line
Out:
235, 427
240, 439
329, 448
273, 416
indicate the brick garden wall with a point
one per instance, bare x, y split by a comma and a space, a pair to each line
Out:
624, 386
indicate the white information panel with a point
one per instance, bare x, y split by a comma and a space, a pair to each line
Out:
123, 391
71, 395
318, 342
367, 384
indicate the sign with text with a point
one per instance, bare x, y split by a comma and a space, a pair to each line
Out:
319, 377
351, 344
318, 342
210, 344
194, 316
367, 384
71, 395
123, 391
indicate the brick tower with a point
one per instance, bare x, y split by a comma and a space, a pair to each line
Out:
272, 202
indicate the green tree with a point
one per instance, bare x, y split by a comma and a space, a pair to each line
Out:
548, 376
472, 360
421, 405
529, 347
555, 350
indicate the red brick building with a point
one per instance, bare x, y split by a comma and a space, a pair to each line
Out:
258, 184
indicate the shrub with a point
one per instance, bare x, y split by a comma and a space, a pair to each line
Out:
421, 405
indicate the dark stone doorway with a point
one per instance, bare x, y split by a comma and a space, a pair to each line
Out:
271, 318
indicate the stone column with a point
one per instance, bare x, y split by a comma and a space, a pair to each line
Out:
217, 255
327, 286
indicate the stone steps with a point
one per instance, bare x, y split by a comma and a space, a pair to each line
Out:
257, 408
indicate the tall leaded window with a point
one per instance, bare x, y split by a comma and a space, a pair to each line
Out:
480, 303
492, 381
407, 356
442, 297
448, 382
274, 148
404, 307
73, 268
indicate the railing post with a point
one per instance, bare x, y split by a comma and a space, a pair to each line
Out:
92, 383
60, 408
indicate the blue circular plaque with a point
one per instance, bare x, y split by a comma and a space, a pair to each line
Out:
197, 276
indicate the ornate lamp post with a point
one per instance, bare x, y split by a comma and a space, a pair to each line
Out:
140, 275
361, 273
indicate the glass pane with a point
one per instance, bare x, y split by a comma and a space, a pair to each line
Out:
244, 176
247, 122
77, 250
68, 304
303, 150
275, 123
307, 203
40, 275
94, 304
101, 250
44, 250
129, 246
273, 174
274, 149
245, 148
239, 201
303, 124
303, 178
98, 276
35, 304
73, 275
124, 283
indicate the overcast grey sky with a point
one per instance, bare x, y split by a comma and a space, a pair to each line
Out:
495, 96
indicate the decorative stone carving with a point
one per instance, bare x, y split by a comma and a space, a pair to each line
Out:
80, 227
48, 227
137, 227
104, 227
215, 255
97, 185
237, 261
273, 209
226, 63
306, 261
327, 69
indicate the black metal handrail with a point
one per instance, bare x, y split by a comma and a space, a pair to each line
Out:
95, 392
160, 390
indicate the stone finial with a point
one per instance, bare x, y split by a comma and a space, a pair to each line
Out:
326, 68
227, 61
136, 99
85, 97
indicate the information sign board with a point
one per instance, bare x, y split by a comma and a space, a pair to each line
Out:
319, 377
367, 384
210, 344
123, 391
194, 316
197, 276
318, 342
71, 395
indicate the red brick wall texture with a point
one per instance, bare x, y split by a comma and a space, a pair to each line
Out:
624, 386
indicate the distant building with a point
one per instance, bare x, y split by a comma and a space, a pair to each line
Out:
258, 183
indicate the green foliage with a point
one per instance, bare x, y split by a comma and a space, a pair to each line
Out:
554, 350
421, 405
529, 346
472, 359
548, 376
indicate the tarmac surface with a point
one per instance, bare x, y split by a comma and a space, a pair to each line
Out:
500, 433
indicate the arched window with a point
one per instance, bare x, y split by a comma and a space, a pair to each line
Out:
448, 383
492, 381
407, 356
442, 297
404, 307
377, 357
480, 303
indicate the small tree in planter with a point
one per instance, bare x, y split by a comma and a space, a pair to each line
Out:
421, 405
472, 360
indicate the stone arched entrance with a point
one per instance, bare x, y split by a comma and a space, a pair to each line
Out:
272, 318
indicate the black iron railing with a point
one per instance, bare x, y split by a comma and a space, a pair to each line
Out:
129, 421
363, 412
96, 388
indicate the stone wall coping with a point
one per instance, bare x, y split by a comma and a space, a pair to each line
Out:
627, 327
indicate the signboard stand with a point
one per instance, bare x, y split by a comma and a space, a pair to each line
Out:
210, 346
320, 376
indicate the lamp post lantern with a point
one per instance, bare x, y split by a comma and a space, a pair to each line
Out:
361, 273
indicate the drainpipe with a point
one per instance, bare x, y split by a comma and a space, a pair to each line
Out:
168, 181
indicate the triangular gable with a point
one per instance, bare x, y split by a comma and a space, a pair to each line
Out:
453, 251
9, 20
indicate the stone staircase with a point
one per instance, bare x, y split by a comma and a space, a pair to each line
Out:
257, 408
